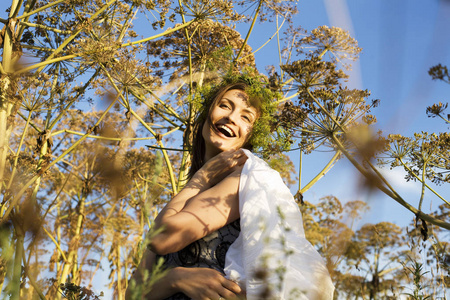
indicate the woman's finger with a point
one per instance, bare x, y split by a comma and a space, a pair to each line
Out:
231, 286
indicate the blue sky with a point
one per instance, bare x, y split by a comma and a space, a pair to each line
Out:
401, 40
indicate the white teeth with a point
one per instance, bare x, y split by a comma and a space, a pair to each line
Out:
226, 129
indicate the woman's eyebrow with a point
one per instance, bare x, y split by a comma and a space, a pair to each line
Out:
250, 111
247, 110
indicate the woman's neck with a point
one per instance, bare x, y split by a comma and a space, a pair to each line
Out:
210, 154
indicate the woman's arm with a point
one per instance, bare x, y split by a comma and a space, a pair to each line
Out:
201, 215
214, 171
197, 283
208, 202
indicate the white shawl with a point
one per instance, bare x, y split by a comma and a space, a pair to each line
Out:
271, 251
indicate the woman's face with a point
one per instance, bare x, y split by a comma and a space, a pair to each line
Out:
229, 124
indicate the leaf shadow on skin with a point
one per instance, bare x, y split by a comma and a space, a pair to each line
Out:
215, 205
221, 204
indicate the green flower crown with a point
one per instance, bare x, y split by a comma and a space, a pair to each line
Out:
266, 137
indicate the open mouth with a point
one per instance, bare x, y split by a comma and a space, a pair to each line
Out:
225, 131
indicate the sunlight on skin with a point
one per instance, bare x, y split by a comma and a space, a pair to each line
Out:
229, 125
206, 203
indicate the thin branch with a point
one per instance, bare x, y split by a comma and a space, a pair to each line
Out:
420, 180
28, 24
279, 50
322, 173
99, 137
165, 148
75, 34
158, 35
56, 244
262, 46
250, 30
396, 197
422, 193
16, 155
143, 123
36, 177
44, 63
40, 9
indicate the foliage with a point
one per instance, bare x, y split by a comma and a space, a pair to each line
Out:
84, 85
73, 292
374, 261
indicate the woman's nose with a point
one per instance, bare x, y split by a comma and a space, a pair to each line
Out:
232, 116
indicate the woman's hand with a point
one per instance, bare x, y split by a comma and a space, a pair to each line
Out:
219, 167
204, 284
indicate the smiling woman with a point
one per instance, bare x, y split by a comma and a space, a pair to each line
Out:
234, 115
201, 223
229, 124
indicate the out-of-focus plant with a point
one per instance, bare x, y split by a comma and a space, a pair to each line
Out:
84, 85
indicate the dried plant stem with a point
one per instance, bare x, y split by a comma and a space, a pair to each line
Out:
6, 103
322, 173
42, 8
71, 263
164, 152
191, 113
388, 192
128, 21
422, 192
167, 107
28, 24
169, 31
279, 49
75, 34
5, 132
17, 268
16, 156
249, 30
266, 42
46, 62
15, 7
80, 92
143, 123
51, 164
422, 181
99, 137
300, 168
32, 281
61, 252
446, 120
119, 273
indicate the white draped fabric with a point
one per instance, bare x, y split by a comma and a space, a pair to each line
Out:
271, 252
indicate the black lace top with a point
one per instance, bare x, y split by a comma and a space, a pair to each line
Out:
208, 252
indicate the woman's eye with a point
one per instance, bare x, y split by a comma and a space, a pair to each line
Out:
223, 105
246, 118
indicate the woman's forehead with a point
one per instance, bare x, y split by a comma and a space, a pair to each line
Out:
239, 94
236, 93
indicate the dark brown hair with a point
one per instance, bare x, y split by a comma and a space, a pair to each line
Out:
198, 143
